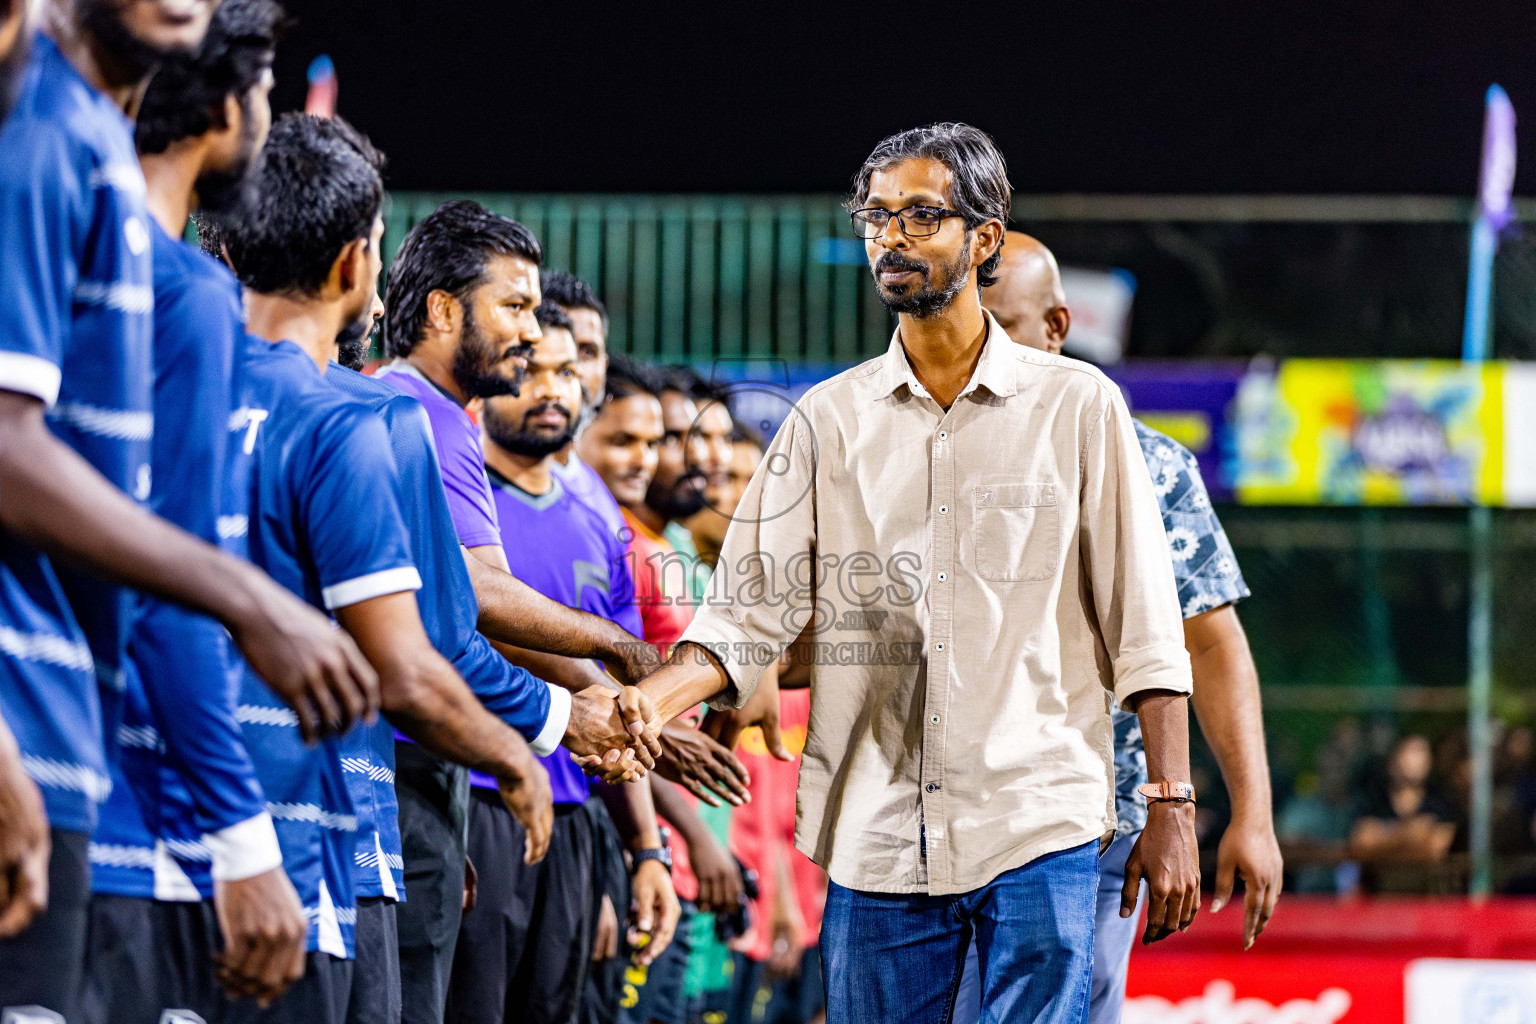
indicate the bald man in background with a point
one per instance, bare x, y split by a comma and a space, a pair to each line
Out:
1029, 303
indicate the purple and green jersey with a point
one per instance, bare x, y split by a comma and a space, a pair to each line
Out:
563, 549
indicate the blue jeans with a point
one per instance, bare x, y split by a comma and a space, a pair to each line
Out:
892, 959
1112, 939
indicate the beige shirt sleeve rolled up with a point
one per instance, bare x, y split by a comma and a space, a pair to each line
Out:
975, 584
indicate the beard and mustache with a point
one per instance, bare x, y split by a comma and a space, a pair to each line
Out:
680, 499
529, 442
475, 362
353, 343
101, 18
932, 296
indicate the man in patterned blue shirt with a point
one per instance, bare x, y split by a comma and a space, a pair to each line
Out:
1029, 303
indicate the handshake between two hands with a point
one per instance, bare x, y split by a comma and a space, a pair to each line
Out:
619, 737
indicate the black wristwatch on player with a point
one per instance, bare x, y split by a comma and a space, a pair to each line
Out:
661, 855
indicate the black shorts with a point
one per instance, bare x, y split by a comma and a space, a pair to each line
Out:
376, 971
655, 993
605, 981
149, 961
320, 997
41, 969
434, 817
523, 950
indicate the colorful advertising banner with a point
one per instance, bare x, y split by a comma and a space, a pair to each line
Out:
1298, 432
1372, 432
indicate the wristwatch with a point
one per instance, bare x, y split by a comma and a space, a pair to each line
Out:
1170, 792
661, 854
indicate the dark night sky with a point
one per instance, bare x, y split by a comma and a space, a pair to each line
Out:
1236, 96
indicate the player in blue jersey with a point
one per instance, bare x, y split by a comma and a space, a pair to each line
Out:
186, 810
511, 964
459, 317
327, 457
459, 310
75, 344
449, 613
15, 47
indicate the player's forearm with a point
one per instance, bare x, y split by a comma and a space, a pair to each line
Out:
1227, 703
633, 812
691, 675
1164, 720
672, 805
55, 500
513, 613
425, 699
573, 674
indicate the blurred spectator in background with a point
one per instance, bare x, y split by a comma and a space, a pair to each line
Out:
1314, 827
1401, 820
708, 525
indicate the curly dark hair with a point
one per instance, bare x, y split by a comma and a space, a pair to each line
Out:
316, 188
980, 192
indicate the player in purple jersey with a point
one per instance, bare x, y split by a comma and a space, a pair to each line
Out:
589, 326
459, 316
566, 553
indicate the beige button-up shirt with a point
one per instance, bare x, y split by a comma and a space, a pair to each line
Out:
985, 579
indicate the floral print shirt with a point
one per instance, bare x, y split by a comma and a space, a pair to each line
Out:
1208, 577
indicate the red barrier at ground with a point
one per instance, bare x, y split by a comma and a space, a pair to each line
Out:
1319, 962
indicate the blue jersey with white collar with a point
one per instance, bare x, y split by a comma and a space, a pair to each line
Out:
325, 523
449, 612
75, 333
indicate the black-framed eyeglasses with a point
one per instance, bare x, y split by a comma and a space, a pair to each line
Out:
915, 221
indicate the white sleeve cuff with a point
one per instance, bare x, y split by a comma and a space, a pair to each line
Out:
30, 375
245, 849
366, 588
553, 732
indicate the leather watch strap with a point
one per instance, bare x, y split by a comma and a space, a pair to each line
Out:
1175, 792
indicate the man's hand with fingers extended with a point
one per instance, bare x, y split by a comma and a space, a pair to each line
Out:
693, 760
1253, 852
761, 710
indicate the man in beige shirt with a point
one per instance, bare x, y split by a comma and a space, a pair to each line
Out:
964, 533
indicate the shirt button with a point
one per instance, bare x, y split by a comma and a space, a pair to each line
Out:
943, 510
942, 577
943, 434
934, 719
938, 647
932, 787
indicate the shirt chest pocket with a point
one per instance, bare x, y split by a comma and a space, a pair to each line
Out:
1017, 530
